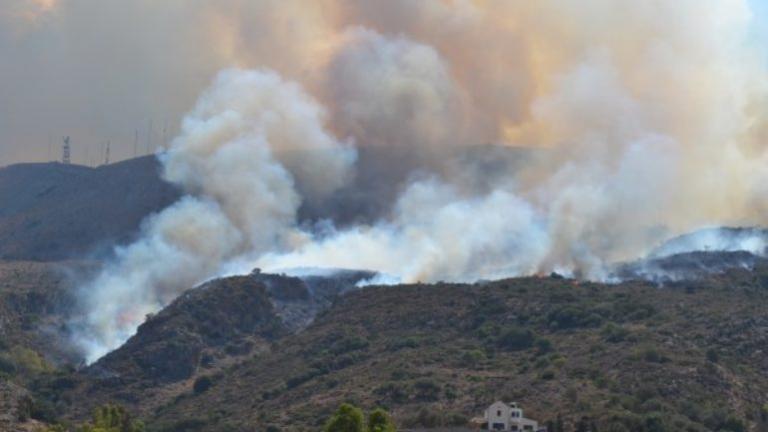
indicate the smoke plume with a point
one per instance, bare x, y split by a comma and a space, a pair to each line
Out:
446, 140
247, 150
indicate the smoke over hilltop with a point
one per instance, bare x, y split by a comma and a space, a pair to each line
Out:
642, 120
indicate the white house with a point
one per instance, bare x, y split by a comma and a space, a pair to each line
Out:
509, 418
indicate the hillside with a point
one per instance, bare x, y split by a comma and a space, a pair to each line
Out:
635, 356
54, 212
203, 332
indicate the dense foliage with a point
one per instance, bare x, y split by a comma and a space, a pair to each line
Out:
349, 418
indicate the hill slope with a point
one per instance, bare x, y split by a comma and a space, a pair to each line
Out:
632, 357
53, 212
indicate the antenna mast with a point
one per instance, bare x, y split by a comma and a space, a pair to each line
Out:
106, 153
66, 151
136, 143
149, 138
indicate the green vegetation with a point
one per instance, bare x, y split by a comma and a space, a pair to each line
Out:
577, 356
379, 421
20, 359
349, 418
107, 418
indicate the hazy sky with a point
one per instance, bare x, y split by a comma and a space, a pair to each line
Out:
96, 71
103, 70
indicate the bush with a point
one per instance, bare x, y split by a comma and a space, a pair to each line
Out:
347, 418
613, 333
395, 392
112, 418
655, 423
547, 375
472, 358
409, 342
184, 425
29, 360
43, 410
7, 366
515, 339
348, 343
712, 355
428, 418
568, 317
202, 384
652, 355
543, 345
456, 419
379, 421
733, 424
427, 390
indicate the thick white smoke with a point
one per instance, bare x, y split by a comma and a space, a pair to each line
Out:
641, 120
252, 143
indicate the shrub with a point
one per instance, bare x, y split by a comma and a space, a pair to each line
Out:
395, 392
733, 424
202, 384
348, 343
427, 390
515, 339
428, 418
567, 317
29, 360
547, 375
43, 410
409, 342
347, 418
712, 355
379, 421
7, 366
652, 355
655, 423
613, 333
112, 418
456, 419
472, 358
543, 345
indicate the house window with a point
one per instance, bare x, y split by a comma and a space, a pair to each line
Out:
497, 426
498, 413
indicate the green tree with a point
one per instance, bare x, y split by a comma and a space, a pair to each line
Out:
112, 418
379, 421
347, 418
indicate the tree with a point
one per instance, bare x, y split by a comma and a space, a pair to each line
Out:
559, 424
379, 421
347, 418
112, 418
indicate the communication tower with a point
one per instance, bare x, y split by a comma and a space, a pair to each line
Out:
66, 151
